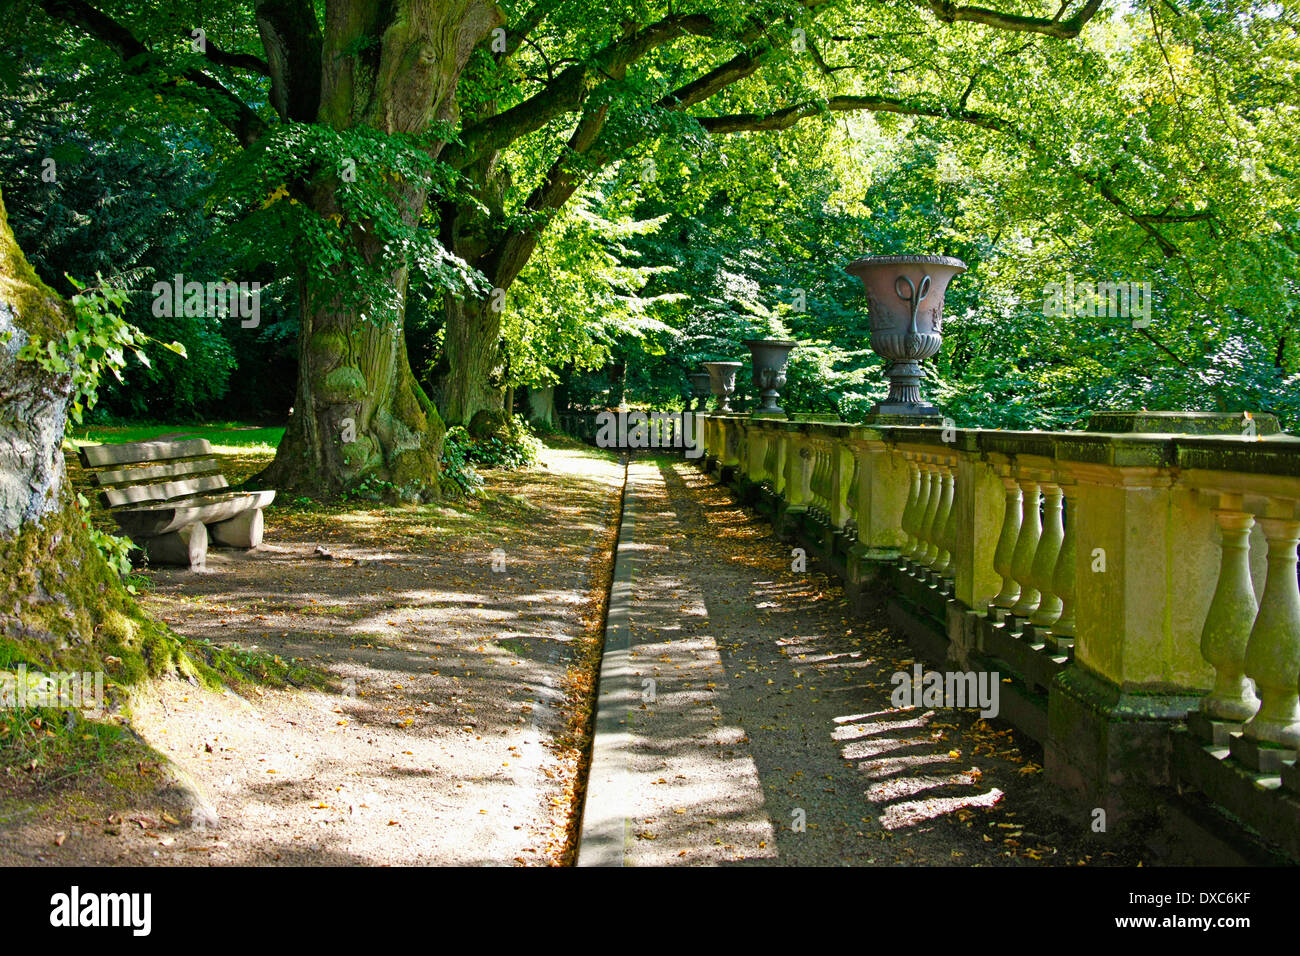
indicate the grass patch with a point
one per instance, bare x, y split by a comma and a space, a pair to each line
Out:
562, 440
237, 667
44, 748
227, 438
51, 746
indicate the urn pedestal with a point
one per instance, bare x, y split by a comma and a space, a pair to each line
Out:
905, 303
768, 358
722, 380
700, 389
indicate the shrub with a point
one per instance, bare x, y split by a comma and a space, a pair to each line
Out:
514, 446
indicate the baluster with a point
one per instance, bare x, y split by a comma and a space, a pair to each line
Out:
918, 518
942, 556
905, 519
928, 551
814, 479
840, 467
908, 520
922, 505
781, 451
1045, 557
949, 569
828, 483
823, 482
851, 497
798, 492
1006, 549
1062, 634
1022, 562
1273, 651
1228, 624
811, 448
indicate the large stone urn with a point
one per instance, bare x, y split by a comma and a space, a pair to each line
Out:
905, 303
700, 389
722, 379
769, 358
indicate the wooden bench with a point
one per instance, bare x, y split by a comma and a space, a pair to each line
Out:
168, 498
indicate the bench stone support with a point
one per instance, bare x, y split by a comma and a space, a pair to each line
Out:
187, 547
241, 531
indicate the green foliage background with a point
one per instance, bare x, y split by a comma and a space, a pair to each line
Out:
1159, 146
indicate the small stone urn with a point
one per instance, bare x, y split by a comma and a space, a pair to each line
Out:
700, 389
722, 378
905, 304
769, 358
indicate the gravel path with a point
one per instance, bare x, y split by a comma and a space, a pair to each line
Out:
452, 640
754, 722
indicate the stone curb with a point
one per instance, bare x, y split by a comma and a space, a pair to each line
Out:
604, 837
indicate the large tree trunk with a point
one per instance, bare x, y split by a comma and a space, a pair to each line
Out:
541, 404
472, 345
360, 419
473, 359
359, 416
60, 602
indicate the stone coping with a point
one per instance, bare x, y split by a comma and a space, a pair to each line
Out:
1262, 455
1145, 422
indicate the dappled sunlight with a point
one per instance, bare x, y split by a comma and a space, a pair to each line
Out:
437, 739
856, 731
912, 812
796, 672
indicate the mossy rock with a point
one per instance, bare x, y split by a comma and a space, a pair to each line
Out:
490, 423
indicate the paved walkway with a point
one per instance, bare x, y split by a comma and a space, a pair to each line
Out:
746, 718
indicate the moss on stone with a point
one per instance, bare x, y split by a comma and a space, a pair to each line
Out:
38, 309
64, 608
489, 423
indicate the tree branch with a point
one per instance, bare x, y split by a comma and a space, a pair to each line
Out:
235, 61
701, 88
790, 115
562, 181
229, 110
1171, 217
291, 36
517, 35
949, 12
571, 87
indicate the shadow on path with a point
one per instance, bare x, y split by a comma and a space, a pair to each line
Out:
764, 732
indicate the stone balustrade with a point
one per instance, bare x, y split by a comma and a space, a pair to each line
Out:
1128, 583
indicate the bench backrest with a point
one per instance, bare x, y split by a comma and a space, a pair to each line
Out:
152, 471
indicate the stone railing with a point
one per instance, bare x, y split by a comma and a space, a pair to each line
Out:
640, 428
1129, 583
579, 423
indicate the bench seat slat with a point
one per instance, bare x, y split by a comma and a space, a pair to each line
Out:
99, 456
166, 516
164, 491
131, 476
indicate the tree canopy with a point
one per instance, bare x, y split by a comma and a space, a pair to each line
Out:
601, 195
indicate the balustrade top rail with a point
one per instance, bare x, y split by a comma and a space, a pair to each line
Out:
1262, 455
